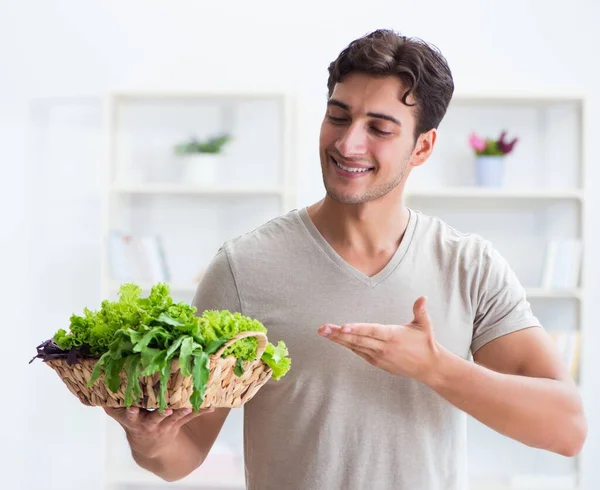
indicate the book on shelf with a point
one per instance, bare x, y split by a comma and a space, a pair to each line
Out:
137, 258
562, 264
568, 343
549, 482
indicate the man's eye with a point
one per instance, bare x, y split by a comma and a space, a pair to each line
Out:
379, 131
337, 120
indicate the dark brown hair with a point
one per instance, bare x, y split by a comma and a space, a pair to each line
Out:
420, 67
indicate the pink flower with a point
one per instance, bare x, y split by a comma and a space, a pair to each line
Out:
476, 142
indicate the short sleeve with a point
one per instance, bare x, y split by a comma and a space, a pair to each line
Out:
217, 289
501, 303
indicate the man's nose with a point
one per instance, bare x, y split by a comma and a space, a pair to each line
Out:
353, 142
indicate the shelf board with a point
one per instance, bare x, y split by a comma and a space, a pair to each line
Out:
530, 482
518, 97
490, 193
499, 486
185, 189
184, 287
227, 480
209, 95
554, 293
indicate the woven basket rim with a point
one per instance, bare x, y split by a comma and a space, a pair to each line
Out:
235, 394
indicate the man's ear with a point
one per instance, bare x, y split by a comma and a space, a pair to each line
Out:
423, 147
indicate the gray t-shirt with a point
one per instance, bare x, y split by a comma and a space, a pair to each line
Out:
335, 422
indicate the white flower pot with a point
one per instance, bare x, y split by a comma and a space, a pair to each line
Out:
490, 170
201, 168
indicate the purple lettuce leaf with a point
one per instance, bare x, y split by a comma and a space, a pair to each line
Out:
49, 350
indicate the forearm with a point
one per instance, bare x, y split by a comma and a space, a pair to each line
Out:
542, 413
174, 461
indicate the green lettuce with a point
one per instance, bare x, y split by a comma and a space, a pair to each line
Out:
216, 325
141, 336
277, 359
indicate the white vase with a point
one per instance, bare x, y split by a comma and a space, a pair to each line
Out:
490, 170
201, 168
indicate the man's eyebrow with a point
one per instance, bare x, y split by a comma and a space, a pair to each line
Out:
378, 115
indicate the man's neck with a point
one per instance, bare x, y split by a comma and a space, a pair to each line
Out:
371, 228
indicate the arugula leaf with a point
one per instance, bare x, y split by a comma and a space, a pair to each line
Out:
133, 392
214, 346
157, 363
112, 373
128, 333
200, 375
185, 354
165, 373
157, 334
147, 355
97, 371
119, 347
163, 317
239, 367
175, 345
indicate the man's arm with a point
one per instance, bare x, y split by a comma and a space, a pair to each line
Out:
519, 387
518, 384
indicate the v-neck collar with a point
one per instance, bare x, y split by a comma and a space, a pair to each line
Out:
370, 281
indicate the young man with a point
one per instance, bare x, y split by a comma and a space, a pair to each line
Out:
381, 307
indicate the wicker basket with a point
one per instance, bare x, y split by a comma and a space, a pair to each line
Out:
224, 387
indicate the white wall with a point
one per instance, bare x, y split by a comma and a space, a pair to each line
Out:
49, 47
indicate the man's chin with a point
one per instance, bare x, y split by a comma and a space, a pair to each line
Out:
345, 198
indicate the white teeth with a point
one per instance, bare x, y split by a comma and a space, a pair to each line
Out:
350, 169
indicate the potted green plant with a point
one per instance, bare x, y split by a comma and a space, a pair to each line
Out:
201, 158
490, 155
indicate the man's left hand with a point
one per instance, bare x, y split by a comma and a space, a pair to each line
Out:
408, 350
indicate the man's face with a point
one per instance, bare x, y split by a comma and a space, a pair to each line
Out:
366, 144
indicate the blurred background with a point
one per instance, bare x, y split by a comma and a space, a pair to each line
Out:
137, 136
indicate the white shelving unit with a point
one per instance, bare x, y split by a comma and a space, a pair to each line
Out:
543, 198
145, 194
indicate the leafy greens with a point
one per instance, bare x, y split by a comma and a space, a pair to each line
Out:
141, 336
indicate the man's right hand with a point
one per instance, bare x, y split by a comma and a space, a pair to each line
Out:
150, 432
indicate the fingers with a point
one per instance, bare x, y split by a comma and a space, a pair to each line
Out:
354, 341
370, 359
134, 416
165, 419
363, 336
372, 330
123, 415
362, 350
175, 417
421, 316
182, 416
190, 416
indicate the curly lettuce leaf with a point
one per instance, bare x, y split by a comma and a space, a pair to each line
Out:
277, 359
221, 325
